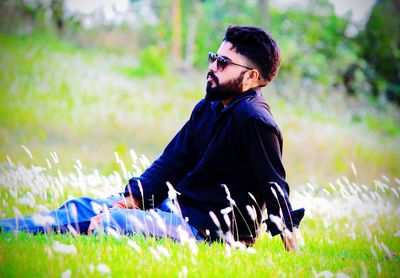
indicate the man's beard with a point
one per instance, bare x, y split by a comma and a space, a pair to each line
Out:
224, 91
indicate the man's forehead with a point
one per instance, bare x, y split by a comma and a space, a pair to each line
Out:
227, 50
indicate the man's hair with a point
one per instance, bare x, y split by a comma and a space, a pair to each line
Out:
258, 46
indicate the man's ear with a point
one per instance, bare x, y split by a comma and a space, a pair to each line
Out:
252, 77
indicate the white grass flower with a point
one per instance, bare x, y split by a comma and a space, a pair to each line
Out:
144, 161
228, 195
332, 186
140, 187
73, 211
172, 193
277, 221
395, 191
379, 268
48, 163
135, 222
48, 251
97, 208
184, 272
72, 230
42, 208
308, 184
162, 250
215, 219
28, 152
114, 233
326, 192
325, 274
64, 248
66, 274
193, 246
364, 270
252, 212
133, 156
155, 253
251, 250
353, 167
183, 235
134, 245
382, 186
227, 220
102, 268
116, 157
274, 192
342, 275
43, 220
389, 253
228, 251
159, 221
397, 233
54, 157
226, 210
10, 162
172, 207
28, 199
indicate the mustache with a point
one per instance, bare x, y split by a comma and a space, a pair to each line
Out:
213, 76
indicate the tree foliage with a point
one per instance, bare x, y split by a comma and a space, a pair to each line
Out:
380, 47
314, 41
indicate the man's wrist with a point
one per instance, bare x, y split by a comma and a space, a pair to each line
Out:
128, 202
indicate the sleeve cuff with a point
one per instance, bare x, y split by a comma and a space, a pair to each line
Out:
296, 215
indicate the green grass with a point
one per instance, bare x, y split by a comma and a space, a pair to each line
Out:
349, 228
82, 104
211, 261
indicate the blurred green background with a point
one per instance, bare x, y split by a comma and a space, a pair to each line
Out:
88, 79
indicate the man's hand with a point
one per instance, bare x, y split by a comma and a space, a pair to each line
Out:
128, 202
290, 242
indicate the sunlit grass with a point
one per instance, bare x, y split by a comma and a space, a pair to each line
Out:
341, 154
349, 229
55, 96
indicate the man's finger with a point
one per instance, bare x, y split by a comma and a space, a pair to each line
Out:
94, 223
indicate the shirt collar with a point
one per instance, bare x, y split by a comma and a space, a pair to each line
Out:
244, 95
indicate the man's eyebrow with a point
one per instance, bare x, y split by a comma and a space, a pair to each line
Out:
226, 57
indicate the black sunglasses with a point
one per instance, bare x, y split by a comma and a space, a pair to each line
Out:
221, 61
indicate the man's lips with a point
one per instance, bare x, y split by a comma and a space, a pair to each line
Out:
211, 78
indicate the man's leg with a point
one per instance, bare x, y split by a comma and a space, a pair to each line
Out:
159, 223
73, 216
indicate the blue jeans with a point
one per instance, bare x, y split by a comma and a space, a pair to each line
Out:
75, 215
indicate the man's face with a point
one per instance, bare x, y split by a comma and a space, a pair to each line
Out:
226, 84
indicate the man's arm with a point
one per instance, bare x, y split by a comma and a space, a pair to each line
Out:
263, 148
290, 242
128, 202
176, 160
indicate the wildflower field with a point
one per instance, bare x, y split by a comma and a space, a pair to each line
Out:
74, 122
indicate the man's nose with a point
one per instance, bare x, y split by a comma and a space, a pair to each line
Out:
213, 66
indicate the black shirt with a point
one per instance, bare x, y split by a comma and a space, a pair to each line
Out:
225, 160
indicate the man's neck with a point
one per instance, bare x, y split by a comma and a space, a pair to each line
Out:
226, 102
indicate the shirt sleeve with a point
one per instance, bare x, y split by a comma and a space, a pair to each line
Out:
264, 154
173, 163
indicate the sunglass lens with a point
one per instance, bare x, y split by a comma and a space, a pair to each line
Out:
221, 63
211, 58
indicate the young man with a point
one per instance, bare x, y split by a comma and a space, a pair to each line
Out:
218, 174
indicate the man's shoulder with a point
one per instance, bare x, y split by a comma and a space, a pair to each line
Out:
255, 111
254, 107
204, 106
